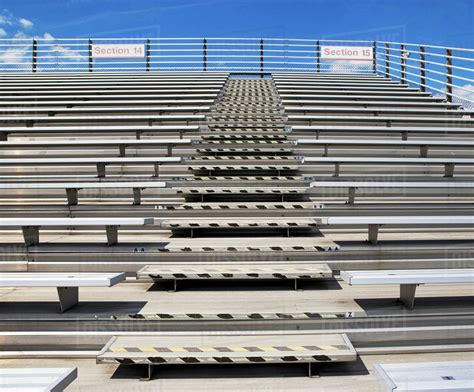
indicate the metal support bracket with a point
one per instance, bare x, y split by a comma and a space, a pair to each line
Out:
407, 295
68, 297
100, 170
112, 234
351, 195
72, 196
424, 151
337, 169
373, 234
137, 196
31, 235
449, 169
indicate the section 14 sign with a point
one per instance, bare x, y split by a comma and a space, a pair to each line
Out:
354, 53
114, 51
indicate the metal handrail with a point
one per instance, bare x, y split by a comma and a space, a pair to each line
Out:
445, 70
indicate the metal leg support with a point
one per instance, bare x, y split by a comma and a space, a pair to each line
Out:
407, 295
31, 235
72, 197
112, 235
68, 297
373, 234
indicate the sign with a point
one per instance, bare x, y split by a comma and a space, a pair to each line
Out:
354, 53
118, 51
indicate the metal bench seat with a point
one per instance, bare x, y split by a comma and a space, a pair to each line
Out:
375, 222
58, 84
286, 87
67, 283
105, 102
75, 130
150, 118
352, 186
448, 162
28, 379
317, 98
426, 376
293, 104
31, 226
118, 98
115, 109
406, 93
120, 144
222, 348
112, 87
225, 271
111, 93
72, 188
423, 145
402, 130
447, 121
100, 163
376, 111
409, 279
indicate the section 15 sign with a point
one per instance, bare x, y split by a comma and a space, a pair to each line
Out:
355, 53
113, 51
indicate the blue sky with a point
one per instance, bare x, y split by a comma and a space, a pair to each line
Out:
449, 23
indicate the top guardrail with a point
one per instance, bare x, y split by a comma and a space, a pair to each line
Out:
441, 70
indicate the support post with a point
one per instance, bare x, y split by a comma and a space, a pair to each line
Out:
156, 170
150, 371
72, 196
137, 196
326, 148
424, 151
351, 195
318, 56
387, 60
449, 170
90, 55
407, 295
31, 235
3, 136
373, 234
68, 297
112, 234
337, 169
147, 50
121, 150
374, 55
100, 170
422, 69
402, 64
261, 57
170, 150
34, 51
204, 54
449, 75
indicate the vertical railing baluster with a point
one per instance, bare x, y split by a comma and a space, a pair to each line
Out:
374, 55
90, 55
261, 58
204, 54
34, 50
387, 60
449, 75
422, 69
318, 56
402, 64
147, 51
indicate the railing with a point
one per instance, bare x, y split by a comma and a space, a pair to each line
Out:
443, 71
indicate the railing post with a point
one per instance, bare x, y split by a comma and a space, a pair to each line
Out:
261, 57
374, 54
35, 55
318, 56
147, 51
387, 60
449, 75
90, 55
422, 69
402, 64
204, 54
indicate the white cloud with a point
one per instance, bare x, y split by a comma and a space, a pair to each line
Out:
3, 33
25, 23
5, 20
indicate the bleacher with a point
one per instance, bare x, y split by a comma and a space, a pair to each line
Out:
235, 187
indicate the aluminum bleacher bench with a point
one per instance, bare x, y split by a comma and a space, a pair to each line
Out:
375, 222
121, 144
31, 226
242, 271
72, 188
423, 145
303, 103
377, 111
112, 87
408, 279
448, 162
51, 112
104, 102
78, 99
67, 284
453, 376
222, 348
100, 163
352, 186
111, 92
388, 120
73, 130
403, 130
316, 98
14, 379
118, 82
150, 118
